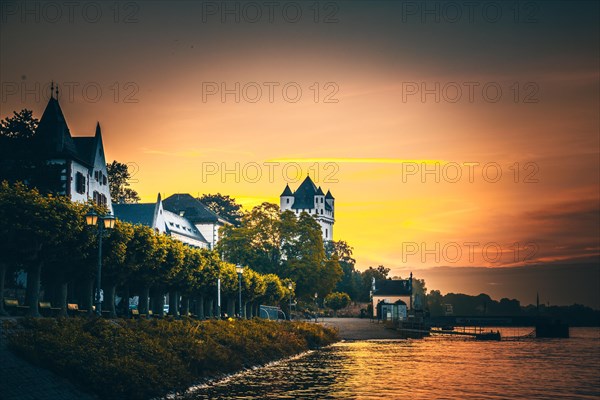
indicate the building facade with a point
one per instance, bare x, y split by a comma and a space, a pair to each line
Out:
164, 221
310, 199
206, 221
79, 160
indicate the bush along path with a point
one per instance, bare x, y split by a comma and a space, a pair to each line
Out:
141, 359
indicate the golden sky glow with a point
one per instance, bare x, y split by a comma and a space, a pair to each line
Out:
371, 144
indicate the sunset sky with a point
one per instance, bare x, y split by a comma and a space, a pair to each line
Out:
405, 89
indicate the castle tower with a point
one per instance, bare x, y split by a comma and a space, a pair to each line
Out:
310, 199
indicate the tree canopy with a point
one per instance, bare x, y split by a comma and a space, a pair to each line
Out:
119, 181
224, 206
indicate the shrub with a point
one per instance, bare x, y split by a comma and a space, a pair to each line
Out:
140, 359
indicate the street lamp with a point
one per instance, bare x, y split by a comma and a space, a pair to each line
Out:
102, 222
239, 269
290, 287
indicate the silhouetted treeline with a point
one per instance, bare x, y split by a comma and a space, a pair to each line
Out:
482, 304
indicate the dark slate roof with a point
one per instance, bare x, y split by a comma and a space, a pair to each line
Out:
136, 213
320, 192
329, 195
304, 197
389, 287
287, 191
53, 135
192, 208
182, 226
328, 207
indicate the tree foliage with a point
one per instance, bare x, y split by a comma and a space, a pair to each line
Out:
224, 206
278, 243
119, 181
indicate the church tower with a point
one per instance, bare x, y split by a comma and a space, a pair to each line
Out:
310, 199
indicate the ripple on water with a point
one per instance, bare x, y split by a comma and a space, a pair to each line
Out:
427, 369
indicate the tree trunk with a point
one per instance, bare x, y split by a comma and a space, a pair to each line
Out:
173, 297
109, 299
33, 289
125, 301
144, 300
200, 307
2, 277
158, 304
247, 310
230, 307
185, 305
87, 298
61, 298
210, 308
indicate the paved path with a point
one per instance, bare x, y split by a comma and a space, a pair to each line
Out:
20, 380
360, 329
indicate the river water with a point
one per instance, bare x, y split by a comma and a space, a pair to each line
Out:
431, 368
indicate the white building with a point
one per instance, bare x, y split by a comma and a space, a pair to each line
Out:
155, 216
311, 199
80, 159
206, 221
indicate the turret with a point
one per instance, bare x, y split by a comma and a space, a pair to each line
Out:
286, 199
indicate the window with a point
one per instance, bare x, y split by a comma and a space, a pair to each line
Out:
321, 211
287, 201
80, 183
321, 199
96, 176
326, 233
103, 200
104, 181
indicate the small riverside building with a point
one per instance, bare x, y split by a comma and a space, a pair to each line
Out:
392, 299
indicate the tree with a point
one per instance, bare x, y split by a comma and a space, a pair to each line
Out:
118, 180
20, 126
20, 154
224, 206
351, 281
379, 273
336, 301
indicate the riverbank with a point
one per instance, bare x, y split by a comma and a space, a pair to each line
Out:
140, 359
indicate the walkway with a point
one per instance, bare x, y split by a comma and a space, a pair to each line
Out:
20, 380
360, 329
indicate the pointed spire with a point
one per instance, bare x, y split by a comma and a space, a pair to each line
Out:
287, 191
52, 89
98, 130
57, 91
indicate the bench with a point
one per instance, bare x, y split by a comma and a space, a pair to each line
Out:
47, 310
73, 309
14, 306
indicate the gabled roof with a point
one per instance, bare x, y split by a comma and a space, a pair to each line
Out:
287, 191
192, 209
387, 287
182, 226
136, 213
53, 135
304, 197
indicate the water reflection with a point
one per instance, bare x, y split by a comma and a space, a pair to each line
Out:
432, 368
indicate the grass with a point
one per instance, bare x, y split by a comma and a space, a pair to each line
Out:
141, 359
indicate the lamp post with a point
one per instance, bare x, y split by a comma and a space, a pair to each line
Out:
239, 269
290, 287
102, 222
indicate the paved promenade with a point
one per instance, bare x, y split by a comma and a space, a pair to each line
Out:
360, 329
20, 380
